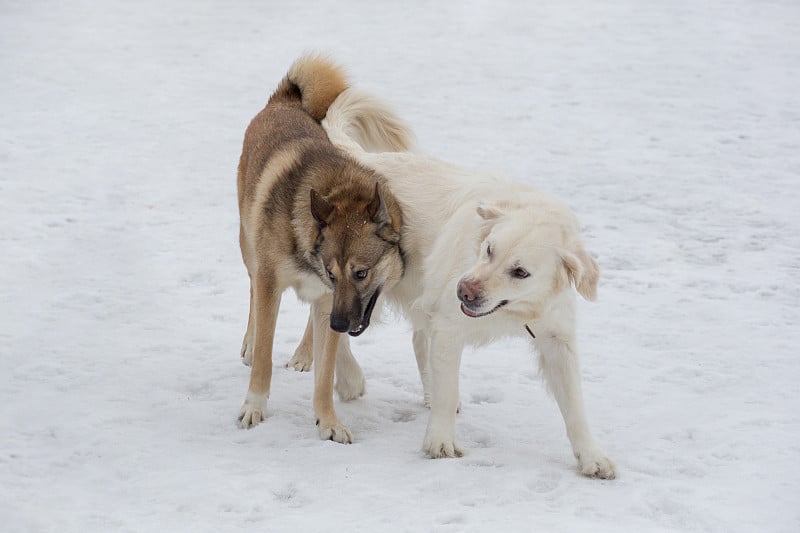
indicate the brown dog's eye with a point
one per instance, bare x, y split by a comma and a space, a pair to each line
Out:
360, 274
330, 275
520, 273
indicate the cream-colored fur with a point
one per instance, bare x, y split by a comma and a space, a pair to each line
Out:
450, 218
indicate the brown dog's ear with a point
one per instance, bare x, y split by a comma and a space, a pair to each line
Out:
376, 210
583, 271
379, 214
388, 234
321, 209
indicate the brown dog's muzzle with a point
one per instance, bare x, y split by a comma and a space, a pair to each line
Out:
350, 319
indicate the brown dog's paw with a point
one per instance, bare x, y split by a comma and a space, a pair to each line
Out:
302, 359
335, 431
253, 411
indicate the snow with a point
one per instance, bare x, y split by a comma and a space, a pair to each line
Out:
671, 128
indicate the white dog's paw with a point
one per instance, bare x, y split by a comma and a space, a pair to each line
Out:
247, 351
440, 444
594, 464
302, 359
253, 411
351, 387
334, 430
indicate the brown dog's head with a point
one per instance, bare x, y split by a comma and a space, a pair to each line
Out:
527, 255
357, 251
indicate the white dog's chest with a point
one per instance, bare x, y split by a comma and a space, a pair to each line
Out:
309, 287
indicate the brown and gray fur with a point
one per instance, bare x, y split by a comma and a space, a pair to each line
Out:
315, 220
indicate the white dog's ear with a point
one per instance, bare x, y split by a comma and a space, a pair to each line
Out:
489, 212
583, 271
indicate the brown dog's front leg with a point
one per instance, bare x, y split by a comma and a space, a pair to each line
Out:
326, 343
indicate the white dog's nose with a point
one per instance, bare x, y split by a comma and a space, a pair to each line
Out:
468, 290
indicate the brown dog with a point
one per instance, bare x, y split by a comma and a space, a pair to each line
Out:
314, 219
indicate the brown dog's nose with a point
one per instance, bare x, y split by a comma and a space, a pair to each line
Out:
468, 291
339, 324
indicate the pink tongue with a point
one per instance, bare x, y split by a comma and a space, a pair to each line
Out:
468, 311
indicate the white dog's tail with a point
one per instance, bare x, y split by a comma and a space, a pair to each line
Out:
359, 121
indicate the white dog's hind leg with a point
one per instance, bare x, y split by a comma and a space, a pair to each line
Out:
303, 356
421, 352
445, 360
559, 366
350, 383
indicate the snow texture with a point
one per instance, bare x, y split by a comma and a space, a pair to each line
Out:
671, 128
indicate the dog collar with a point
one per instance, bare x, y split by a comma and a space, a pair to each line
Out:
530, 332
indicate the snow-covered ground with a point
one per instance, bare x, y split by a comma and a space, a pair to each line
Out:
671, 128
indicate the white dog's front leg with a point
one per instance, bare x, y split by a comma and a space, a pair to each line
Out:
350, 383
444, 361
559, 365
422, 346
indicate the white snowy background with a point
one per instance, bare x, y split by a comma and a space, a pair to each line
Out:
671, 128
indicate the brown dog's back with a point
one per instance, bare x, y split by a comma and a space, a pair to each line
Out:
290, 119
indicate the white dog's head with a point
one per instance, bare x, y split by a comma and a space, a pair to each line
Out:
528, 254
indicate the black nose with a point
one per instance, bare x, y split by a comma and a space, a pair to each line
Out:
339, 324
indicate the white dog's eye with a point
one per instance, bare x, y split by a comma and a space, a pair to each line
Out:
489, 250
519, 273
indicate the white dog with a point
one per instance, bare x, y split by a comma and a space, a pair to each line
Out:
485, 258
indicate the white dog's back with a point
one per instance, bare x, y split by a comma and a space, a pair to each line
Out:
451, 220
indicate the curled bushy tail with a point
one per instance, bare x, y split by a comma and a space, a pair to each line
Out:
360, 121
317, 79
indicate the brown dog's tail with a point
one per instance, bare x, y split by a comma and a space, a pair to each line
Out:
316, 81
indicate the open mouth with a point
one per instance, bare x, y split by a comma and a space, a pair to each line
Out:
367, 314
475, 314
